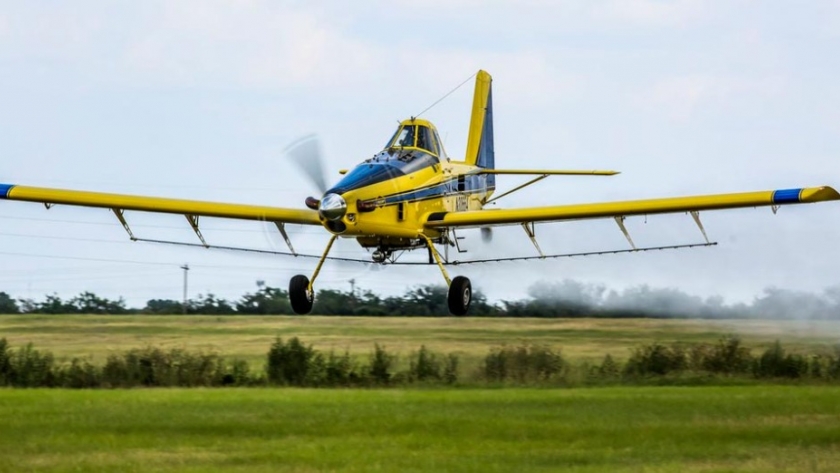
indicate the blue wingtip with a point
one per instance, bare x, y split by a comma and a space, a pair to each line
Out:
787, 196
4, 190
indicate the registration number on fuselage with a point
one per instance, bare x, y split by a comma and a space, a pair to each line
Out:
462, 203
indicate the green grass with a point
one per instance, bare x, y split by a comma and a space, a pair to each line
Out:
249, 337
699, 429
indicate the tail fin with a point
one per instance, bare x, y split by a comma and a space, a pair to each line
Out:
480, 151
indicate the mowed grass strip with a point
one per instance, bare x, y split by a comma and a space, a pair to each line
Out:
248, 338
699, 429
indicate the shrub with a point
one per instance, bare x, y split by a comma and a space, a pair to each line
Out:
5, 363
656, 359
31, 369
728, 356
527, 363
495, 365
832, 369
775, 363
340, 370
79, 374
381, 363
450, 369
424, 366
238, 375
609, 368
154, 367
289, 363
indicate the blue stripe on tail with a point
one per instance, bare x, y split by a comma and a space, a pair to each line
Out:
4, 190
786, 196
486, 148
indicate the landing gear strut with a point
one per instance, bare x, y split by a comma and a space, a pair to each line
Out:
301, 288
460, 289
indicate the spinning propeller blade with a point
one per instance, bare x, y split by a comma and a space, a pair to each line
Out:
306, 153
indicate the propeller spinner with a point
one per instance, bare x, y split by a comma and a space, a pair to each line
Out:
306, 154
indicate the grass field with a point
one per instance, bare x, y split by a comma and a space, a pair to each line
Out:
756, 428
699, 429
249, 337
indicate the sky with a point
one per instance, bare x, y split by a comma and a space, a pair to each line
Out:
198, 99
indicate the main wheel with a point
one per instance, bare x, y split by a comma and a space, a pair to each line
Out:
460, 295
300, 296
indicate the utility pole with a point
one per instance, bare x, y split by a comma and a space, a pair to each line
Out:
186, 268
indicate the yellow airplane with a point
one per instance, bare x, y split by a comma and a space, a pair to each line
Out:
412, 196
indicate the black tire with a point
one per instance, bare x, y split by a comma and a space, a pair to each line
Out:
460, 296
299, 295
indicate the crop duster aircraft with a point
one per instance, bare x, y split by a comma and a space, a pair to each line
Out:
412, 196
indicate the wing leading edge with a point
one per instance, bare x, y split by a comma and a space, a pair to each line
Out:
158, 204
485, 218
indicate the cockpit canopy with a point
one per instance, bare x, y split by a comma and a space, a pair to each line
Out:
415, 146
419, 134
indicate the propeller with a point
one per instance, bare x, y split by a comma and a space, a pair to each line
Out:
306, 154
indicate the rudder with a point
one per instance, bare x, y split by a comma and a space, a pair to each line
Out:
480, 150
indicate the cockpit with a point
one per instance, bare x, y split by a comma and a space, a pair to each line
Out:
415, 146
417, 134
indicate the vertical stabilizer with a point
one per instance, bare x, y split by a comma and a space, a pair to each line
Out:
480, 150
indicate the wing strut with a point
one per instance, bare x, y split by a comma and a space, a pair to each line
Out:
121, 217
193, 219
282, 227
532, 181
620, 221
531, 230
696, 215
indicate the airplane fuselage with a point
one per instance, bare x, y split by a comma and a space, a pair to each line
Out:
385, 200
387, 206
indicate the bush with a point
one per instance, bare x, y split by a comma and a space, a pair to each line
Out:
609, 368
153, 367
728, 357
5, 363
31, 369
450, 369
289, 363
775, 363
381, 363
424, 366
78, 375
524, 364
656, 359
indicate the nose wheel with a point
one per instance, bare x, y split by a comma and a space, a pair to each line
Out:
460, 295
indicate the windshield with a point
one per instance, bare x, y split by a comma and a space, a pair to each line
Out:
386, 165
405, 137
415, 136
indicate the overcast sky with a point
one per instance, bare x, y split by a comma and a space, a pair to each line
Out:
197, 99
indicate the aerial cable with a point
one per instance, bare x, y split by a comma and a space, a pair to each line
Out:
445, 96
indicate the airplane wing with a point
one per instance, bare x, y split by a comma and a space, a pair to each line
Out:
489, 218
190, 208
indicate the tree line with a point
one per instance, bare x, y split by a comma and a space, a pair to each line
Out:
567, 298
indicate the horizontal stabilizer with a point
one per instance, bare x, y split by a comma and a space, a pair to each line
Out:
545, 172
